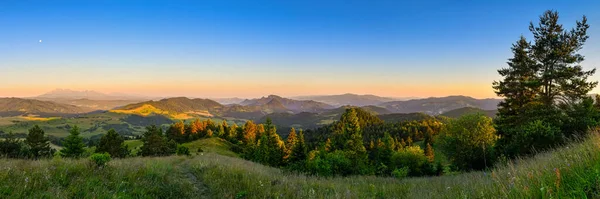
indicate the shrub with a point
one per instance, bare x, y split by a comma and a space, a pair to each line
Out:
329, 164
183, 150
400, 173
412, 158
100, 159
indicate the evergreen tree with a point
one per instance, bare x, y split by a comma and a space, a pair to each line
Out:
543, 82
177, 132
327, 146
249, 135
39, 144
113, 144
156, 144
275, 144
10, 146
299, 150
73, 145
290, 142
429, 153
556, 52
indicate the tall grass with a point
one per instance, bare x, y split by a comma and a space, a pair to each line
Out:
569, 172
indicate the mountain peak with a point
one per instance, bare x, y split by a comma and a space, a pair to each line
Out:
274, 96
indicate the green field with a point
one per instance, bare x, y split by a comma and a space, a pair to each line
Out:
569, 172
212, 145
90, 124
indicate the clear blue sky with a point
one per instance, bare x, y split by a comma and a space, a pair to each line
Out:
254, 48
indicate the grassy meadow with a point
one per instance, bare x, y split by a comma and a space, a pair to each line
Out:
569, 172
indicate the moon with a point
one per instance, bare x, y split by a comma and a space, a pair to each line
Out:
40, 41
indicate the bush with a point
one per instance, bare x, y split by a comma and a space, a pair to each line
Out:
400, 173
412, 158
329, 164
183, 150
100, 159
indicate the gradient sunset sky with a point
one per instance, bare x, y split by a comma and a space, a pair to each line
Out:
255, 48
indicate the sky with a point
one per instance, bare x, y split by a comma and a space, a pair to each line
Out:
256, 48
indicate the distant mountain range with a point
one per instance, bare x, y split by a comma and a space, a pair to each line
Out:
469, 110
58, 103
182, 107
436, 106
18, 106
87, 94
347, 99
289, 104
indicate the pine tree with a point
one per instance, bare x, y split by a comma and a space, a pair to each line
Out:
429, 153
275, 144
353, 132
156, 144
113, 144
232, 132
290, 142
73, 145
544, 79
177, 132
299, 150
38, 143
249, 135
327, 146
556, 52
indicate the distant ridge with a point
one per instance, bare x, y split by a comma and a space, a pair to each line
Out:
290, 104
439, 105
347, 99
85, 94
19, 106
469, 110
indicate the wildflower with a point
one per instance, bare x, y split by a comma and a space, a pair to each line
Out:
26, 179
447, 188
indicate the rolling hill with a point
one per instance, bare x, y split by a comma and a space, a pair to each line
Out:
179, 107
347, 99
305, 120
436, 106
19, 106
93, 104
296, 106
469, 110
185, 108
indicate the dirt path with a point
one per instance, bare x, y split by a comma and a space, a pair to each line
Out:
202, 190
